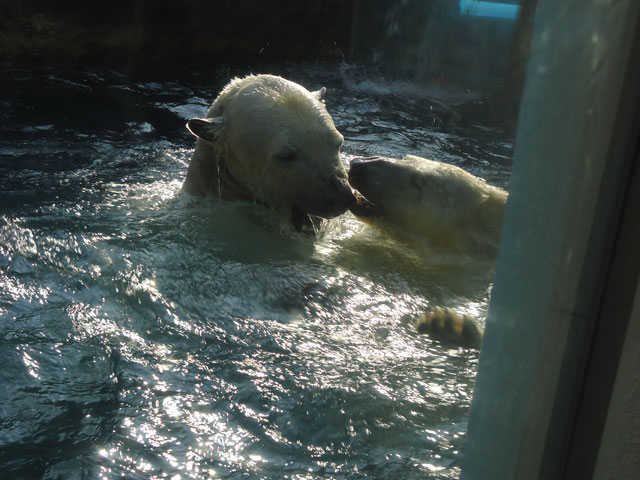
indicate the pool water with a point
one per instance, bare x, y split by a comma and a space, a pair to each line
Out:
146, 334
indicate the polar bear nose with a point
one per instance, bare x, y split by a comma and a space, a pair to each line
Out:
356, 171
340, 198
345, 193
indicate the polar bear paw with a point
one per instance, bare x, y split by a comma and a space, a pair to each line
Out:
449, 326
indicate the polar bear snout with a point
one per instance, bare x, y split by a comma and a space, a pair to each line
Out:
332, 200
343, 196
365, 175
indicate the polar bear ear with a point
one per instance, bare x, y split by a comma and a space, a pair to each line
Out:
320, 94
206, 128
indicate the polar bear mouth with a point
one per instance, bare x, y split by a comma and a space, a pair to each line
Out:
304, 222
364, 208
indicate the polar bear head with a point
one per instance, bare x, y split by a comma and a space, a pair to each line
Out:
440, 207
278, 143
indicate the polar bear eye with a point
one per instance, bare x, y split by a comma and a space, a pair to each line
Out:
287, 155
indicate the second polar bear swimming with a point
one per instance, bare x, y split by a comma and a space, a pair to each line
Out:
436, 207
271, 141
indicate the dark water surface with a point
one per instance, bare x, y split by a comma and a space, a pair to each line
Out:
148, 334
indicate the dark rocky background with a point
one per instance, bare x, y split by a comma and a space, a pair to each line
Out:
428, 42
137, 34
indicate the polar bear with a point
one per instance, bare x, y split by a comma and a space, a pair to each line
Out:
436, 207
269, 140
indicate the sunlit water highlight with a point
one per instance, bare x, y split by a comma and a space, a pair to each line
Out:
149, 334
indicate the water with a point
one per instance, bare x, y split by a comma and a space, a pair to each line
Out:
148, 334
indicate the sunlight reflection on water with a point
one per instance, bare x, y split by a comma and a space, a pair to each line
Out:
149, 334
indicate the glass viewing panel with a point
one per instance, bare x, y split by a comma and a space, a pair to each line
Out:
228, 329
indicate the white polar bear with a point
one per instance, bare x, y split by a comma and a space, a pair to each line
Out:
436, 207
269, 140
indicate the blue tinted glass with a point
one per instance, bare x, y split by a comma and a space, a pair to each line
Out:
488, 9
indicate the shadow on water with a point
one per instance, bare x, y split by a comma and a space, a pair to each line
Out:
146, 333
